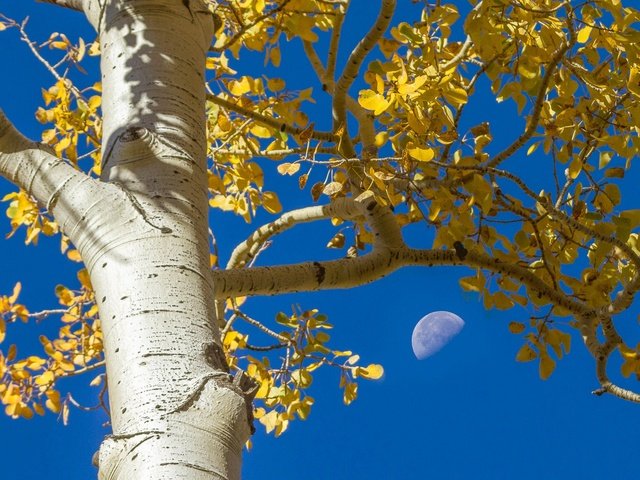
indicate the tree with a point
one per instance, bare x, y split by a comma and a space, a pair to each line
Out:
181, 384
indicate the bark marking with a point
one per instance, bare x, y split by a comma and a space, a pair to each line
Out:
320, 272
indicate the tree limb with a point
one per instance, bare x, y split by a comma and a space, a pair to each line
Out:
275, 154
268, 121
537, 108
343, 208
352, 69
32, 167
244, 28
381, 220
458, 57
71, 4
352, 272
365, 120
334, 44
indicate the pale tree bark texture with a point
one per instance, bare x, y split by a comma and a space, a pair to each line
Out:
142, 231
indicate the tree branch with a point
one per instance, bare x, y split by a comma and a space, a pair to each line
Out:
458, 57
352, 272
244, 28
33, 46
268, 121
23, 162
537, 108
602, 352
62, 190
334, 44
352, 69
71, 4
343, 208
366, 125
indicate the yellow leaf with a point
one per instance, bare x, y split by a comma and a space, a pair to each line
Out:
532, 148
94, 102
45, 379
422, 154
275, 84
372, 372
456, 95
558, 339
332, 188
240, 87
65, 296
302, 26
94, 49
529, 71
547, 365
337, 241
302, 180
584, 33
350, 393
274, 56
12, 410
34, 362
59, 45
373, 101
634, 81
12, 352
415, 85
628, 367
271, 203
381, 138
38, 409
83, 277
353, 359
306, 134
516, 327
26, 412
270, 420
501, 301
225, 203
53, 401
260, 131
526, 354
16, 291
302, 378
575, 167
287, 168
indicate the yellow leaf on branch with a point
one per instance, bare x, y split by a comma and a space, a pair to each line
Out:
373, 101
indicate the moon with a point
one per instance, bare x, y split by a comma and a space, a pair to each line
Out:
433, 332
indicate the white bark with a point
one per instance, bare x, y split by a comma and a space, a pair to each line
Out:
142, 233
54, 184
174, 412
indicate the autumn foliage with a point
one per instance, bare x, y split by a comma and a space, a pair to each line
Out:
407, 127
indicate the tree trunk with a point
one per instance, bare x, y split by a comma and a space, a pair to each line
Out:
174, 411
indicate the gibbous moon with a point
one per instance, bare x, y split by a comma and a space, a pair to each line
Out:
433, 332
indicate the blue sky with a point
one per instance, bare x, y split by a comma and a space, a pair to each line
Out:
470, 411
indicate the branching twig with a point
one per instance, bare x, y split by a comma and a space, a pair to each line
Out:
244, 27
268, 121
342, 208
351, 71
261, 327
537, 108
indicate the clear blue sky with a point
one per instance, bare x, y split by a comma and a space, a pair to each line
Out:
469, 412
